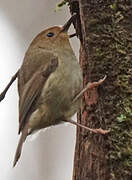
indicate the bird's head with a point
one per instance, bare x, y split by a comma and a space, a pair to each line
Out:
53, 38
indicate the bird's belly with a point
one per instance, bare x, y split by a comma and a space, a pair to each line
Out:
59, 92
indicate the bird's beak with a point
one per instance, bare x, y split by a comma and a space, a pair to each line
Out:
67, 24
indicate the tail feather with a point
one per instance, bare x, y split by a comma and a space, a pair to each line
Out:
20, 144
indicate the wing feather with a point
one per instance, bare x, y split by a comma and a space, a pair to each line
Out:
32, 90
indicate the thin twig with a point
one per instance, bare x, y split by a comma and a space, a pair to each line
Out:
2, 95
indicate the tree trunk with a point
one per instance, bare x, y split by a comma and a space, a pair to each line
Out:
105, 30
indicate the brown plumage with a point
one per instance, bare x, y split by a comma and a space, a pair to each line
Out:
48, 80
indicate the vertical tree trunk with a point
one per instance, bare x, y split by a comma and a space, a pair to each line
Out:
106, 49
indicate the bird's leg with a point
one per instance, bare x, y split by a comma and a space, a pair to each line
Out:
2, 95
96, 131
88, 86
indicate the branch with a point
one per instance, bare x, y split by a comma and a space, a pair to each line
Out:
2, 95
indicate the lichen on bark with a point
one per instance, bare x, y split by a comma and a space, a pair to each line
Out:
118, 64
106, 49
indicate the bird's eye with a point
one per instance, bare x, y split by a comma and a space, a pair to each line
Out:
50, 34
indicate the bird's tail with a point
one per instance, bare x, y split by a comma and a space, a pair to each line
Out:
20, 144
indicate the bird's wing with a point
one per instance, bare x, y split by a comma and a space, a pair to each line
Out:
32, 90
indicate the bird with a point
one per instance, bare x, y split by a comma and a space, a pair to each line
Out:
48, 80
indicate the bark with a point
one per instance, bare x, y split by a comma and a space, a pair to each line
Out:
105, 30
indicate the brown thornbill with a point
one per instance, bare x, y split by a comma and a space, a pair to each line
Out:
48, 80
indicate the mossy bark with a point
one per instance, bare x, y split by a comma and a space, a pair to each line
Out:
106, 49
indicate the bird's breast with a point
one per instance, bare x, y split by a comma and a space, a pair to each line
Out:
62, 86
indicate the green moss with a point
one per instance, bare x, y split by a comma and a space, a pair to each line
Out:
111, 43
60, 5
120, 155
